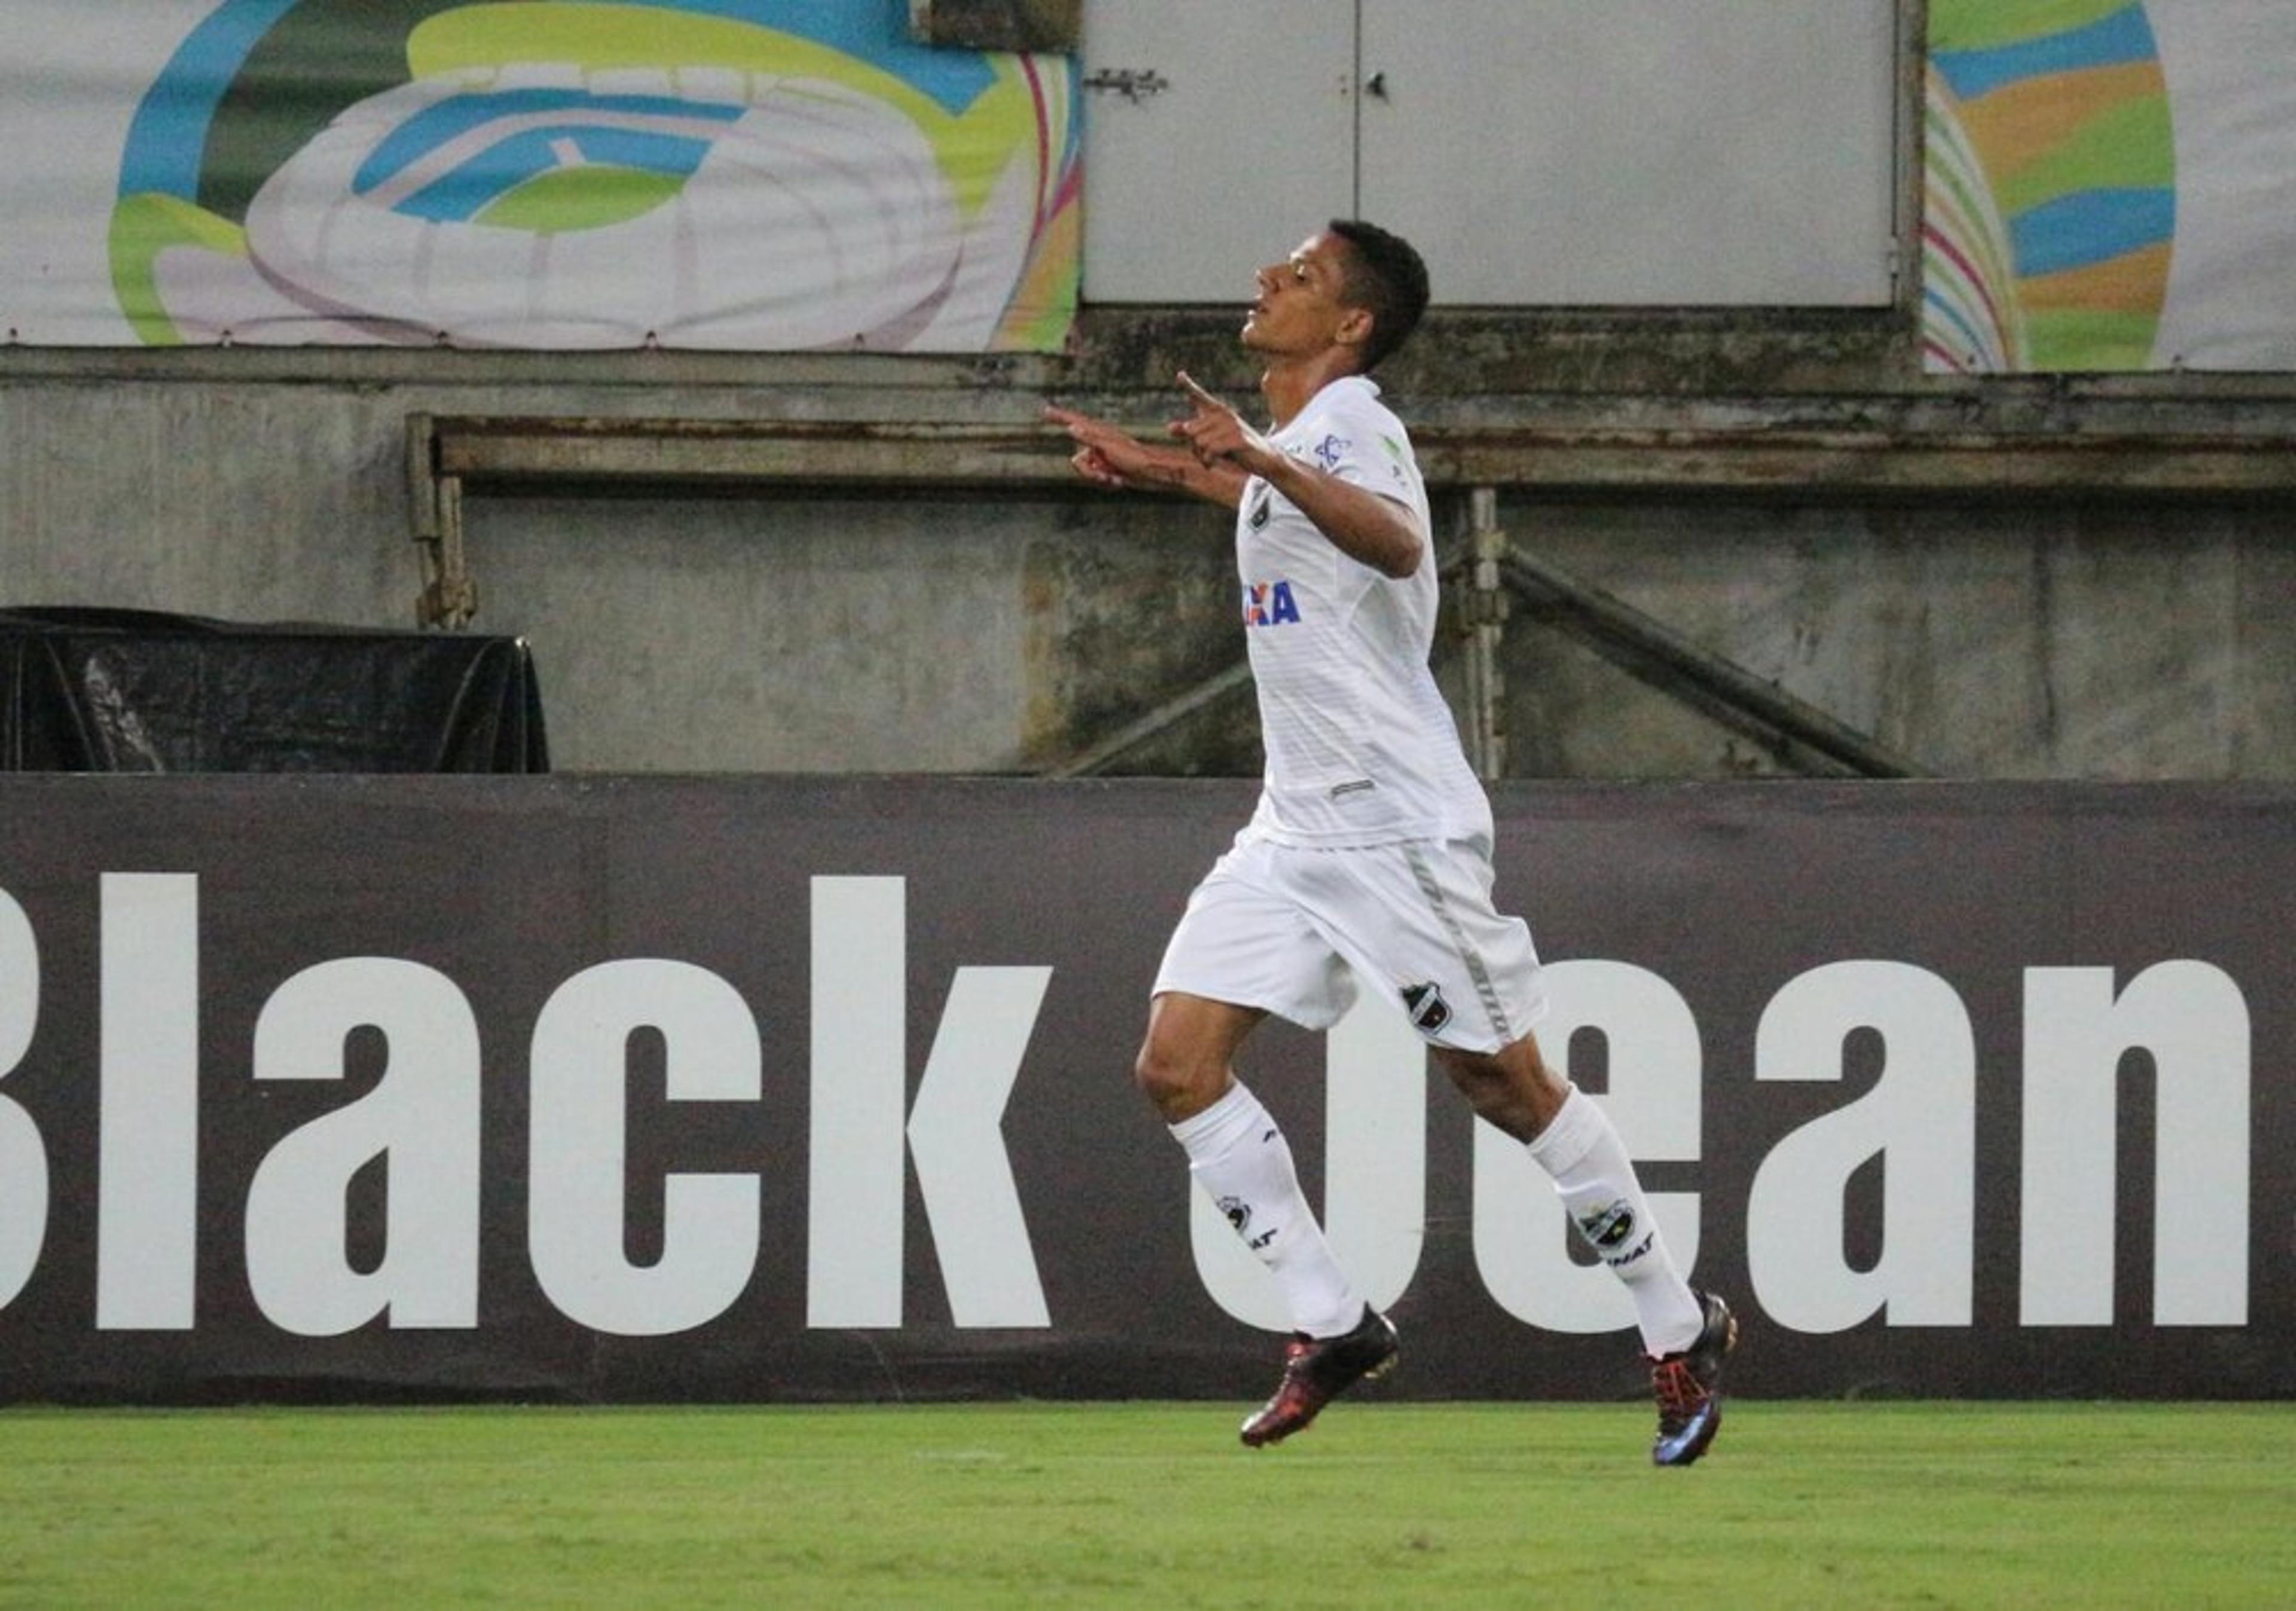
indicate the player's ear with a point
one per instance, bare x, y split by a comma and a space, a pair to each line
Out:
1355, 327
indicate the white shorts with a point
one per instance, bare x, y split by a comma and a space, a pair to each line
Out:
1293, 931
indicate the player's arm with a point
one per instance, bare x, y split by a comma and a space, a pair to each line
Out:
1116, 458
1360, 523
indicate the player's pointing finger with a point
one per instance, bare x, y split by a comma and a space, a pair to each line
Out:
1198, 392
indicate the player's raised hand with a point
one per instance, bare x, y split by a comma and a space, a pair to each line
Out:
1104, 453
1215, 431
1115, 458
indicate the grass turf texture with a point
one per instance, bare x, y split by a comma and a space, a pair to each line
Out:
1391, 1505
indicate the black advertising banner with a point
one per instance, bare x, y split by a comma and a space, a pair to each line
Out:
606, 1089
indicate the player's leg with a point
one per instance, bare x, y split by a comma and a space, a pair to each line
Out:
1241, 952
1570, 1136
1685, 1333
1468, 975
1237, 1151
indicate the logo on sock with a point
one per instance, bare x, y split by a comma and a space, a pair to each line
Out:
1239, 1214
1428, 1010
1607, 1229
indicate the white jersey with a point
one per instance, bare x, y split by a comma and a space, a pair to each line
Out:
1361, 748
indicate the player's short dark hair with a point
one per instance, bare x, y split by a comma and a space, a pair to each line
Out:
1386, 276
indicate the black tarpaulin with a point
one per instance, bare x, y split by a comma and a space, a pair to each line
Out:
86, 690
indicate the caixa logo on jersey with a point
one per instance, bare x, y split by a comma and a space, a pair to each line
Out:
1269, 604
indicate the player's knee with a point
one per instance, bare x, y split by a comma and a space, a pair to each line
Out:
1156, 1075
1171, 1080
1514, 1089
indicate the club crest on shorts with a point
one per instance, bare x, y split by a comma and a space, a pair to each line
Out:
1428, 1010
1238, 1211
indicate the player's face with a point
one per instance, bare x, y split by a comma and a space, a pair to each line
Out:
1298, 309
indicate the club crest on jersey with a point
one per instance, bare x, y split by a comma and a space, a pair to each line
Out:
1269, 604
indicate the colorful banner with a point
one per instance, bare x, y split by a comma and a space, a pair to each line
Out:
2111, 186
731, 174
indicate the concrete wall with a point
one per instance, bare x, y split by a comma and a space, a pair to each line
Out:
767, 633
1983, 637
1997, 638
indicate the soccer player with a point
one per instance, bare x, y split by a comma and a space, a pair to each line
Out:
1367, 860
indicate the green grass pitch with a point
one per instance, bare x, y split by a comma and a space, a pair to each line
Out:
1859, 1505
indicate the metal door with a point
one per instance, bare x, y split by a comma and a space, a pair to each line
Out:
1218, 135
1637, 152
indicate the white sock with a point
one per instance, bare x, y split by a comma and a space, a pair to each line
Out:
1581, 1150
1236, 1152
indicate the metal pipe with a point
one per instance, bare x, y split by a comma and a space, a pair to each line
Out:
1483, 612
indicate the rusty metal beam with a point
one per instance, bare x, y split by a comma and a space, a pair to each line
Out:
1809, 464
1718, 688
506, 455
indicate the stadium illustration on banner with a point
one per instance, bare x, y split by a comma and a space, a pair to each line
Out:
2051, 208
731, 174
